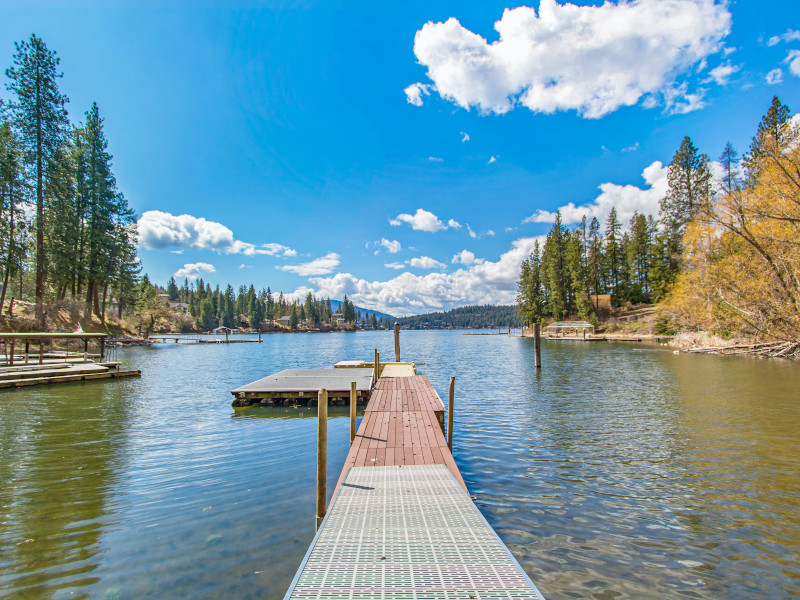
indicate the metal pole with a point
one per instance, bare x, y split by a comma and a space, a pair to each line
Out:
353, 402
450, 398
537, 346
322, 454
397, 342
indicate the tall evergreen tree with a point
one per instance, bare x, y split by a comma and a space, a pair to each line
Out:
40, 117
12, 195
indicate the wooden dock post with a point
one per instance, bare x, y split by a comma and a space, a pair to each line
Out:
322, 454
41, 351
450, 399
537, 347
12, 354
353, 402
377, 365
397, 342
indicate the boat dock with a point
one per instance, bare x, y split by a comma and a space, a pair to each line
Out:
401, 523
25, 362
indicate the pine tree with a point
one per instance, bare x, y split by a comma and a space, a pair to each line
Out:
595, 259
613, 255
40, 117
555, 277
12, 194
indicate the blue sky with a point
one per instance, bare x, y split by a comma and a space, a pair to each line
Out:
308, 145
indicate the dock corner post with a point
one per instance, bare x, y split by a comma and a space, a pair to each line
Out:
12, 353
377, 365
41, 351
353, 402
450, 400
397, 342
102, 349
537, 346
322, 454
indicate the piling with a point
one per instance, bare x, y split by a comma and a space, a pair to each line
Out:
397, 342
537, 346
322, 454
450, 399
377, 365
353, 401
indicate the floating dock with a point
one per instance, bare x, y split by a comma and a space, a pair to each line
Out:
401, 523
300, 386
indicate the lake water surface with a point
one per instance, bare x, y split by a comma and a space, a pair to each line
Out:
619, 471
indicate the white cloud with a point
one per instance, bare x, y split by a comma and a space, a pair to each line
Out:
793, 60
632, 148
422, 220
435, 159
592, 59
425, 262
492, 160
722, 73
627, 199
484, 283
318, 266
394, 265
392, 246
454, 224
415, 91
472, 234
490, 232
774, 77
244, 266
273, 249
791, 35
464, 136
465, 257
159, 230
192, 271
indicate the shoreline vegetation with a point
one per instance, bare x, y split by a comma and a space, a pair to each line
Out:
718, 266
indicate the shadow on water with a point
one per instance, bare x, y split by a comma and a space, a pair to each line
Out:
618, 471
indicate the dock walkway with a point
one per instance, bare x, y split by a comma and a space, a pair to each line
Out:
401, 523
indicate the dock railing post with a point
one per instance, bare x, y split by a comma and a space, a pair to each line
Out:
450, 399
322, 454
377, 365
397, 342
353, 402
537, 347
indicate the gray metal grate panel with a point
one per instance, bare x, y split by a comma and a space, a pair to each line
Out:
407, 532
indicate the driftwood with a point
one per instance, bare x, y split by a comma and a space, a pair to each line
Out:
768, 349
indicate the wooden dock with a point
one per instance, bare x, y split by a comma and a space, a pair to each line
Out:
401, 523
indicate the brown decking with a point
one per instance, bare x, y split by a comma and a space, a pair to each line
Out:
402, 425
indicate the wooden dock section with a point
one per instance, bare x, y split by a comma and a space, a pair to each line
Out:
401, 523
402, 425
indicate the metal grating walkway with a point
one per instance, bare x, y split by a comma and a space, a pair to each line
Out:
407, 532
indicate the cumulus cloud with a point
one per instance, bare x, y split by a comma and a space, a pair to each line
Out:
452, 223
791, 35
721, 74
592, 59
627, 199
425, 262
392, 246
415, 91
465, 257
159, 230
422, 220
472, 234
774, 77
318, 266
394, 265
485, 283
793, 60
192, 271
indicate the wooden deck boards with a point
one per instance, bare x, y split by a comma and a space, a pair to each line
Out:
401, 426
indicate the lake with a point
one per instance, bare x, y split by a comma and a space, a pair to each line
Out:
618, 471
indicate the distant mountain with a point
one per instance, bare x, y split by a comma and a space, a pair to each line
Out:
466, 317
337, 304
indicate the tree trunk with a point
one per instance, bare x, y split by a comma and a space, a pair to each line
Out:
87, 311
96, 298
103, 308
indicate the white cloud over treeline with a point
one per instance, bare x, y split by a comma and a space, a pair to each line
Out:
160, 230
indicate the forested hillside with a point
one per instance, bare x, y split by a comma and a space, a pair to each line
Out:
466, 317
722, 255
